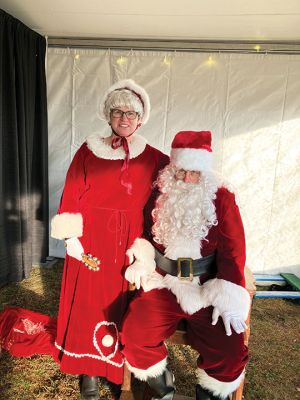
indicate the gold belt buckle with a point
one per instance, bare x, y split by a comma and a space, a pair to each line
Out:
185, 278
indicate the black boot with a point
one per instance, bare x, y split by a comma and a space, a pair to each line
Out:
204, 394
89, 389
163, 386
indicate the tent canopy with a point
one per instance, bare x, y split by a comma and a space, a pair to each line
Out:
269, 20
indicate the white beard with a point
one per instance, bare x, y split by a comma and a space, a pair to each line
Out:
184, 213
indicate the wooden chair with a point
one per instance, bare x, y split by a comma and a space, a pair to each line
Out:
180, 337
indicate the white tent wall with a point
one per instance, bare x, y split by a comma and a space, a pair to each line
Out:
250, 102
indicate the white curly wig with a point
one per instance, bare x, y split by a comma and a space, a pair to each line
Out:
126, 93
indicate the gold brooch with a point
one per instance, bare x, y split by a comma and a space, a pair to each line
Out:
91, 262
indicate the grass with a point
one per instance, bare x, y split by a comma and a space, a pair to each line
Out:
272, 373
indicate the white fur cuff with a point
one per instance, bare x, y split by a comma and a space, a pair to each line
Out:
142, 251
66, 225
218, 388
226, 296
151, 372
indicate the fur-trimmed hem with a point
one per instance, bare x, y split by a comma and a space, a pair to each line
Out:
191, 159
151, 372
102, 150
218, 388
226, 296
66, 225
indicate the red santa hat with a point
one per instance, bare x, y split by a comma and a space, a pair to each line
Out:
192, 150
136, 89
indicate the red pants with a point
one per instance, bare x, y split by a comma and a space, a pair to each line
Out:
153, 316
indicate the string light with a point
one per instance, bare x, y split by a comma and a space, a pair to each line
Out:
257, 47
77, 56
121, 60
210, 61
166, 61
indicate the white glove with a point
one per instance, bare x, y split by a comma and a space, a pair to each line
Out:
74, 248
229, 318
143, 253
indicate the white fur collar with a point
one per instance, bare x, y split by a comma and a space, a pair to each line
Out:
102, 150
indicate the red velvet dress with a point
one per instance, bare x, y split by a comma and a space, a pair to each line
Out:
92, 304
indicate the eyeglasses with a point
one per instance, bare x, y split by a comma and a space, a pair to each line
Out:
188, 176
116, 113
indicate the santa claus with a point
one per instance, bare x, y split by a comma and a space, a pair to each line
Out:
191, 268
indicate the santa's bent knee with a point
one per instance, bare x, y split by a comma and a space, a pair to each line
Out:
128, 334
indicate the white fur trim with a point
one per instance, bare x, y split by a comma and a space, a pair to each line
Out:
151, 372
226, 296
182, 246
107, 340
95, 342
130, 84
100, 355
218, 388
153, 281
191, 159
192, 296
88, 355
66, 225
188, 294
102, 150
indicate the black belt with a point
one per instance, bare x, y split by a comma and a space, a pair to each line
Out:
185, 268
